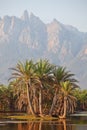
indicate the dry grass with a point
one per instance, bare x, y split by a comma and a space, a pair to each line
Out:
30, 117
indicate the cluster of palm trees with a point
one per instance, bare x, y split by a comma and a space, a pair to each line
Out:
81, 96
46, 88
41, 88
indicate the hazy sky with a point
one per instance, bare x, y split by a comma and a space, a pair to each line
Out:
73, 12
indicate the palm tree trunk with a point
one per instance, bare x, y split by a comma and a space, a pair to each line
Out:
65, 108
34, 100
29, 102
40, 101
54, 102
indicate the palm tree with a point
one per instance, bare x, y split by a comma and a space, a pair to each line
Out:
25, 75
4, 98
81, 96
60, 75
69, 101
44, 72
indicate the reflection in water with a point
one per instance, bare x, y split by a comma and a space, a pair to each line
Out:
58, 125
65, 125
61, 124
55, 125
36, 126
30, 126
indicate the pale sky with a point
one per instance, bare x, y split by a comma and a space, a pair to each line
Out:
72, 12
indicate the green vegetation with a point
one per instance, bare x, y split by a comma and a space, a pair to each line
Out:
42, 89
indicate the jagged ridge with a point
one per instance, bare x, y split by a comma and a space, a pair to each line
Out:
28, 37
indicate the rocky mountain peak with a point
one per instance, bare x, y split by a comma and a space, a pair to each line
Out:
25, 16
28, 37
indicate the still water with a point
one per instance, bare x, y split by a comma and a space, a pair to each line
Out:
72, 123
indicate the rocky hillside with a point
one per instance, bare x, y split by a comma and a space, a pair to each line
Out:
28, 37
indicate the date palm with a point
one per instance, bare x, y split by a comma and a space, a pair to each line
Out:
69, 100
60, 75
44, 72
25, 75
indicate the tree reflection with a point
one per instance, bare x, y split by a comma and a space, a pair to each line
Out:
64, 125
30, 126
41, 125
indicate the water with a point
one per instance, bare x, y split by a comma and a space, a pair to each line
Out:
75, 122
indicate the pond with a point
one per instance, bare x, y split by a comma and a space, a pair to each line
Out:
74, 122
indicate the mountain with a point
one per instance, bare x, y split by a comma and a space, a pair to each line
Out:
28, 37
